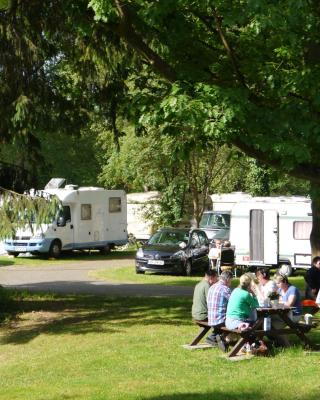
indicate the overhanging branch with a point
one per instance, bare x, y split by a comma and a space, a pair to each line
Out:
310, 172
126, 31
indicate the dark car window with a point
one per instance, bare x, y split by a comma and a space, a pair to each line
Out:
169, 237
195, 240
203, 238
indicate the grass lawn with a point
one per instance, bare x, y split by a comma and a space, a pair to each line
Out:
128, 274
101, 348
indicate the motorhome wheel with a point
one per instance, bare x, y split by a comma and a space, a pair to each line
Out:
138, 271
13, 253
55, 249
285, 269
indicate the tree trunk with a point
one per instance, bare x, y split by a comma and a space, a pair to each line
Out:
315, 232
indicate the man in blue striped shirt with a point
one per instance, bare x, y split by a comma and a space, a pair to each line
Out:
218, 297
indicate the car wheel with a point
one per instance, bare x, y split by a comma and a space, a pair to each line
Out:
138, 271
105, 250
55, 249
285, 269
188, 268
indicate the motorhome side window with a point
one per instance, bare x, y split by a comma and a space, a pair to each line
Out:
302, 229
85, 212
114, 204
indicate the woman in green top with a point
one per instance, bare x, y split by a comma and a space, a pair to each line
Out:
242, 304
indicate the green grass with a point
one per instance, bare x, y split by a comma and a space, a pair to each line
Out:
71, 257
101, 348
128, 274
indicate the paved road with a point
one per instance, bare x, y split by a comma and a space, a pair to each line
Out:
72, 278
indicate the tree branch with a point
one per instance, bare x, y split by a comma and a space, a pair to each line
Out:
228, 48
125, 30
310, 172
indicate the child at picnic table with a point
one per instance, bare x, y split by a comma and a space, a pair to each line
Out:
242, 304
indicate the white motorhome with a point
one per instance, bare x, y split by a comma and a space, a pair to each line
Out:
90, 218
216, 222
272, 231
138, 206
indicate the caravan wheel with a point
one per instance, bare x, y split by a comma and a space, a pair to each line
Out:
285, 269
105, 250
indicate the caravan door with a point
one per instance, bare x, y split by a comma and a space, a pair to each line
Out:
264, 243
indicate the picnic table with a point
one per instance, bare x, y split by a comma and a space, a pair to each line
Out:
256, 331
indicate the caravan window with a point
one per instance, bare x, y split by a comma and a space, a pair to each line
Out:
302, 229
114, 204
85, 212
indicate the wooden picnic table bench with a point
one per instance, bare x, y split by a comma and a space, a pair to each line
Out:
204, 329
256, 331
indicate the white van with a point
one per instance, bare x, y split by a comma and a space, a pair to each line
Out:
90, 218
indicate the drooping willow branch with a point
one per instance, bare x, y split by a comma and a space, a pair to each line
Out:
29, 210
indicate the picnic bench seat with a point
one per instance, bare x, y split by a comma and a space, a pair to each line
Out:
300, 325
205, 327
256, 331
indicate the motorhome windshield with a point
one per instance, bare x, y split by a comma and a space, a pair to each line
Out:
215, 220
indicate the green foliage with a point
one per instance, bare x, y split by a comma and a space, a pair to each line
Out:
247, 74
104, 10
25, 211
190, 77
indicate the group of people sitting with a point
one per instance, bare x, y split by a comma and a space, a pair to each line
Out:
215, 302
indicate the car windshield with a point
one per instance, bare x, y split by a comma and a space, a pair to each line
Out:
215, 220
169, 237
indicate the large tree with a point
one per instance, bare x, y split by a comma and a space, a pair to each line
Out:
240, 72
57, 73
245, 72
184, 171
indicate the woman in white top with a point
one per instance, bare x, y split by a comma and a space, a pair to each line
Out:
265, 287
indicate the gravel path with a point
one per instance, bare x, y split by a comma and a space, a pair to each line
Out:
70, 278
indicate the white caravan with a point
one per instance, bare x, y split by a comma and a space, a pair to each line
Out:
139, 205
91, 218
272, 231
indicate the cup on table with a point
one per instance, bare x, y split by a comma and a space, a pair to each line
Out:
308, 319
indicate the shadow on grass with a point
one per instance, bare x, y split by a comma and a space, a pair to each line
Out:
6, 262
28, 316
216, 395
